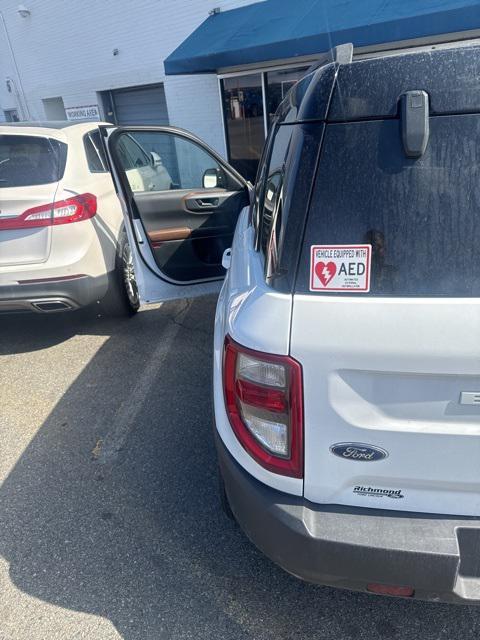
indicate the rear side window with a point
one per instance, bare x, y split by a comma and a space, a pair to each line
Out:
420, 216
30, 160
96, 160
269, 202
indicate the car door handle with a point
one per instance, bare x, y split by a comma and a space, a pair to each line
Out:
205, 203
201, 203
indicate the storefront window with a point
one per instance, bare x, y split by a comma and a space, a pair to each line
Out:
243, 101
278, 83
243, 105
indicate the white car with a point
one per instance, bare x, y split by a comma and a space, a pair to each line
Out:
62, 239
346, 375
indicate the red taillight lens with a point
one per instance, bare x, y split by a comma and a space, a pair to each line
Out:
264, 401
74, 209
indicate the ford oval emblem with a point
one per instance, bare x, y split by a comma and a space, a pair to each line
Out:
358, 451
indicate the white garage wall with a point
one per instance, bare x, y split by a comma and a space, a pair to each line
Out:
194, 101
65, 49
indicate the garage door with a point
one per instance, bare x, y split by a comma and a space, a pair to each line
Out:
140, 105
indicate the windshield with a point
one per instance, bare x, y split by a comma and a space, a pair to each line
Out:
30, 160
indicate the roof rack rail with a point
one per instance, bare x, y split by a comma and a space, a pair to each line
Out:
438, 41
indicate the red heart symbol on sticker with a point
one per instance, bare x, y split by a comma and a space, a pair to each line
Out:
325, 271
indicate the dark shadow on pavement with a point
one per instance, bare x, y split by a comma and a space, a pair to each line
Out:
26, 332
137, 535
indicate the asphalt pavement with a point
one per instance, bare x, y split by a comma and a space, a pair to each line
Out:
110, 526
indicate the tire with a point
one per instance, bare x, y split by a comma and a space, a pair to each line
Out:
122, 297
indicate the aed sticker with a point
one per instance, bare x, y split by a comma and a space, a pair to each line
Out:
340, 267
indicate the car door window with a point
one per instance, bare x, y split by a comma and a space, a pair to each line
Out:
174, 162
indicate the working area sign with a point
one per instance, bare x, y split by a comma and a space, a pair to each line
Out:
89, 112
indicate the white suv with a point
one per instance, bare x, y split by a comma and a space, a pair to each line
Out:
346, 374
62, 239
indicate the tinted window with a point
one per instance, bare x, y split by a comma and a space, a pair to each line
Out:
131, 153
94, 151
30, 160
420, 216
270, 197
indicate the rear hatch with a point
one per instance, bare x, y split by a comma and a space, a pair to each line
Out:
30, 169
392, 368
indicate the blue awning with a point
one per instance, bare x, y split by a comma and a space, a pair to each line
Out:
279, 29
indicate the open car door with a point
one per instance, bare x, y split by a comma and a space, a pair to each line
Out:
181, 202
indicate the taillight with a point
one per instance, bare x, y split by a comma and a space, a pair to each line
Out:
74, 209
263, 396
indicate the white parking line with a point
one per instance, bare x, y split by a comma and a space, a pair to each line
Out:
124, 419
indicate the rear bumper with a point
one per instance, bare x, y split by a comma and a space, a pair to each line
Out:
61, 294
350, 547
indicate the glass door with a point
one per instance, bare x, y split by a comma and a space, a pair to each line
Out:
244, 121
246, 124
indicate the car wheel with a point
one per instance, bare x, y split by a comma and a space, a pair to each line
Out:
122, 297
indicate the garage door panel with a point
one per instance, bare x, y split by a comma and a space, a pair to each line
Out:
141, 105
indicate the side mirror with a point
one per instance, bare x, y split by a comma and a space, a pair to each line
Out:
213, 178
227, 258
156, 159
